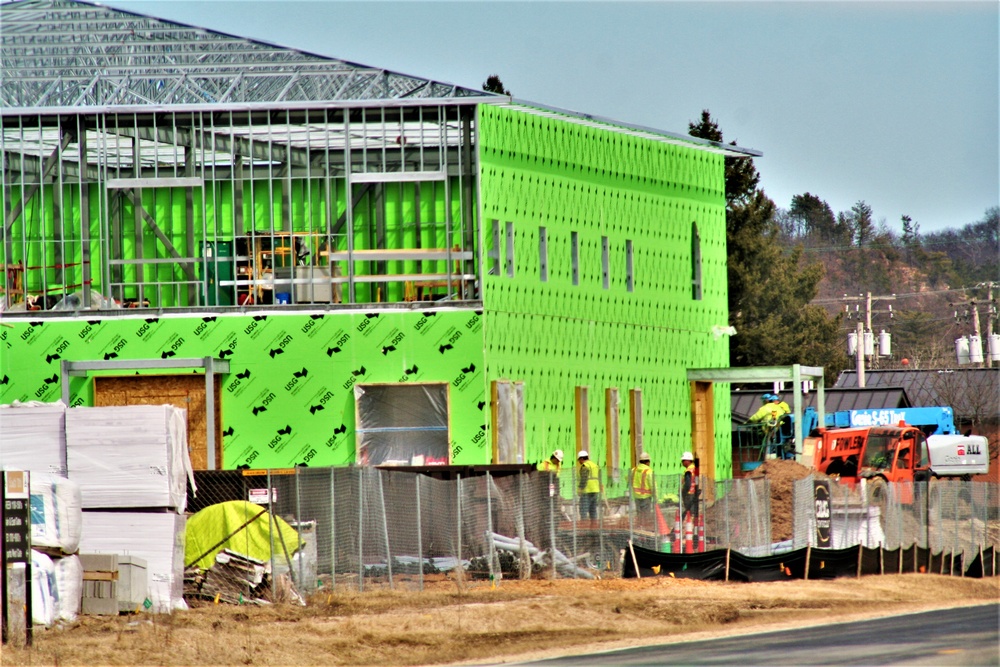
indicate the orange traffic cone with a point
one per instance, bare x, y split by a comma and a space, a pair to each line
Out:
661, 523
701, 534
688, 534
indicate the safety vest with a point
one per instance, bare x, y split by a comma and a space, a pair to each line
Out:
642, 481
590, 477
770, 411
548, 466
694, 479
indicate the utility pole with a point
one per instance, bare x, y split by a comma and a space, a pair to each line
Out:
991, 312
972, 309
867, 326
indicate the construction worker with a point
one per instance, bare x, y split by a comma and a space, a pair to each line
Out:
554, 464
689, 486
689, 501
771, 412
589, 485
642, 485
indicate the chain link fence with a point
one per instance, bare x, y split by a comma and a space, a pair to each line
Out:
364, 528
949, 516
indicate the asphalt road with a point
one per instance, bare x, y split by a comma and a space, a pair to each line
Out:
961, 636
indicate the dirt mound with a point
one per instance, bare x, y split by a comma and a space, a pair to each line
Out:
782, 476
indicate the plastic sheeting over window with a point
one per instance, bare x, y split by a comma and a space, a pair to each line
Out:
404, 424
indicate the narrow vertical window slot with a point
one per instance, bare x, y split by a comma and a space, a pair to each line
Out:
494, 252
543, 255
510, 249
605, 264
574, 240
629, 275
695, 262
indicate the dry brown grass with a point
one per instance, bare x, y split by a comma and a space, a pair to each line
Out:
444, 624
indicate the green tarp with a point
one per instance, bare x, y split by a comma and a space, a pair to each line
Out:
239, 526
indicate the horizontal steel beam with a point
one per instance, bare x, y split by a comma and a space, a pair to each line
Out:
755, 374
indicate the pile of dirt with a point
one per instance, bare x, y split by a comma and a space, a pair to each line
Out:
782, 475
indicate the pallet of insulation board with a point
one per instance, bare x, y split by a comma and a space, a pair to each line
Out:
132, 456
33, 437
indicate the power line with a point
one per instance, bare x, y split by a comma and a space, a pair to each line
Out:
900, 296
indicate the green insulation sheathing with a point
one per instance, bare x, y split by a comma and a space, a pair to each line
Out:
290, 387
542, 171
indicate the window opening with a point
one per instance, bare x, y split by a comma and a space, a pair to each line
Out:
605, 264
574, 239
695, 262
402, 424
629, 276
510, 249
543, 255
494, 252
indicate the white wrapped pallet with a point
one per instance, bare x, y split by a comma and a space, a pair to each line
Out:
33, 437
56, 513
129, 456
69, 587
44, 603
156, 537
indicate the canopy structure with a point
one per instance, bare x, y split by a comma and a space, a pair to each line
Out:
795, 374
68, 53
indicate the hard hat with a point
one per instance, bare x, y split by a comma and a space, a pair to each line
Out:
766, 397
644, 456
558, 455
686, 456
583, 454
775, 397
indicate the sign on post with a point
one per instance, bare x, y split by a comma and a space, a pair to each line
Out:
15, 516
821, 500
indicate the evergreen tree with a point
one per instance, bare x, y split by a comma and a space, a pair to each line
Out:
769, 286
815, 217
493, 84
862, 223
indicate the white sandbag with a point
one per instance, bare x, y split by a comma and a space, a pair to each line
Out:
69, 586
132, 456
44, 605
156, 537
56, 513
33, 437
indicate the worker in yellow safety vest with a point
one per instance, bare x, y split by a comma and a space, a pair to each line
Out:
589, 485
642, 484
553, 464
771, 412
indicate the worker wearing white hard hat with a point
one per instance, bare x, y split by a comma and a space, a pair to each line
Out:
588, 484
643, 487
554, 463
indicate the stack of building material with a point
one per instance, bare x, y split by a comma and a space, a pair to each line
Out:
113, 584
56, 522
236, 578
132, 465
131, 456
155, 537
33, 437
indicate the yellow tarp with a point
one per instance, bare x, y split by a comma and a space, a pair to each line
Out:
206, 529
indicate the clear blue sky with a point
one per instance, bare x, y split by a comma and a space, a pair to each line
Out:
896, 103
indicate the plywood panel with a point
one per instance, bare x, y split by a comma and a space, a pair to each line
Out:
182, 391
702, 426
